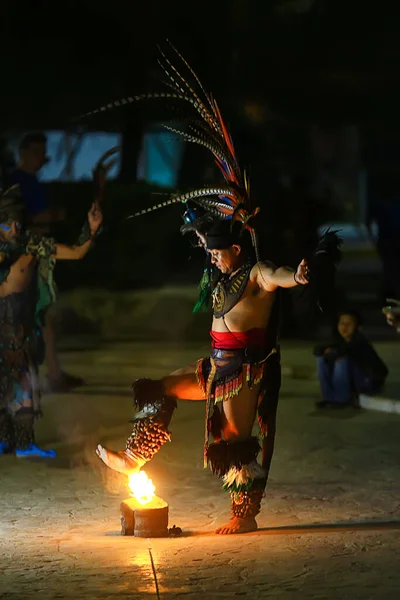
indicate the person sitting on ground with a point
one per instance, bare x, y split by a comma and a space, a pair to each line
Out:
348, 365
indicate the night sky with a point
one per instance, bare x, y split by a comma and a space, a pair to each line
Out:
336, 60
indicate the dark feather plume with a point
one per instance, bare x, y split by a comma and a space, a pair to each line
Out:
323, 267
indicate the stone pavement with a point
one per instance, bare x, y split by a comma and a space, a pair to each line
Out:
328, 528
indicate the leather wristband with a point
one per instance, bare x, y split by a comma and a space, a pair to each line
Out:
294, 277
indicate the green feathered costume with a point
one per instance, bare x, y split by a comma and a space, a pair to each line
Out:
22, 314
21, 319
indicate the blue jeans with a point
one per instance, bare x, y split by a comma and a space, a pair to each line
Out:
339, 381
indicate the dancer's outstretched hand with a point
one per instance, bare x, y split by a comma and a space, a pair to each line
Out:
95, 217
392, 313
101, 170
302, 274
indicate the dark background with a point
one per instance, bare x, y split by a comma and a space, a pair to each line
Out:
280, 70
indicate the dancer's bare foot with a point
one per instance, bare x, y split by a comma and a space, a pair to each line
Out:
237, 525
118, 461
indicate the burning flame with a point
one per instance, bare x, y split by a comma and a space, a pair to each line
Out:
142, 488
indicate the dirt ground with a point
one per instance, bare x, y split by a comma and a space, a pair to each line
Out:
329, 528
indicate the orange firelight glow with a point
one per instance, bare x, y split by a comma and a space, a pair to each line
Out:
142, 488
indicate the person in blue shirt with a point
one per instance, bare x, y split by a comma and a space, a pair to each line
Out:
32, 157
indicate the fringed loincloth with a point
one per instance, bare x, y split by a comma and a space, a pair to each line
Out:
223, 375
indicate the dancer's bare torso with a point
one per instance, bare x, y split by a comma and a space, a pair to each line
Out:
20, 275
253, 309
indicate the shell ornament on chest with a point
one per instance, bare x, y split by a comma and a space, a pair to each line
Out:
228, 291
218, 298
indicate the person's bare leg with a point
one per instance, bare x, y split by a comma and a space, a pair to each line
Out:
182, 385
238, 415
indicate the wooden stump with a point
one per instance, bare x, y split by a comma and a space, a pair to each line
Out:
144, 520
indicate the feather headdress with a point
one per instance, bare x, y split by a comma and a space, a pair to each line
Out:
206, 128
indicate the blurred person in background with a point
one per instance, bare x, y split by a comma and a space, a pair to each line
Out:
27, 291
348, 365
32, 158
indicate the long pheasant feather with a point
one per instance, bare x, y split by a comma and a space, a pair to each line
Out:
151, 96
227, 137
197, 140
196, 195
205, 127
207, 96
211, 119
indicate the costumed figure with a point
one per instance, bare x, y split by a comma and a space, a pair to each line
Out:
241, 378
27, 290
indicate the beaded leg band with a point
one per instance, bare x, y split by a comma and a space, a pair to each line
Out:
150, 424
242, 476
247, 505
146, 439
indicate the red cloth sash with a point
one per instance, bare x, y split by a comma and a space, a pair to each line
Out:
233, 340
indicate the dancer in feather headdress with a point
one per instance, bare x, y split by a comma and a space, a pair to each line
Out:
242, 376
